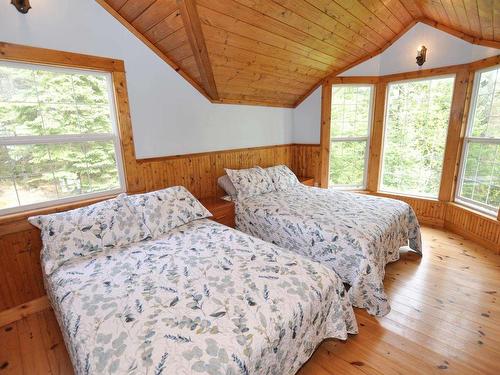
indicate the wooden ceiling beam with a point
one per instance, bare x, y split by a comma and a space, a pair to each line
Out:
194, 32
154, 48
461, 35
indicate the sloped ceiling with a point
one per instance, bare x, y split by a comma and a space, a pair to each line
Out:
274, 52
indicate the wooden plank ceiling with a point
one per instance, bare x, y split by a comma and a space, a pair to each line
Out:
274, 52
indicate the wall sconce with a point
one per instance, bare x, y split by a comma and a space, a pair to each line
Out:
421, 53
21, 5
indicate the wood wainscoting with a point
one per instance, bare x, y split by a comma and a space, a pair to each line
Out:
199, 172
474, 225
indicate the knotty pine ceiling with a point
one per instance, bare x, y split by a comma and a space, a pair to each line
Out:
274, 52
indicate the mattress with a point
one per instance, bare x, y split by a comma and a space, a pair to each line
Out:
355, 235
204, 299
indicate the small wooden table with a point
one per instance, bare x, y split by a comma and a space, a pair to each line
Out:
309, 181
222, 210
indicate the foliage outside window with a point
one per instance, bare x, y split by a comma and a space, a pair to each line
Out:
416, 126
58, 136
479, 183
350, 127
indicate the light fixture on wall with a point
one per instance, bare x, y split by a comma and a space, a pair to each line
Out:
421, 53
21, 5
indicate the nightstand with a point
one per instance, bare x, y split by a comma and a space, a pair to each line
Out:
222, 210
308, 181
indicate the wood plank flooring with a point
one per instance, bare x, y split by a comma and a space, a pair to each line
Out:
445, 319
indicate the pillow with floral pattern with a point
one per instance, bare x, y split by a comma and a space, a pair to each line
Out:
283, 178
251, 181
87, 230
164, 210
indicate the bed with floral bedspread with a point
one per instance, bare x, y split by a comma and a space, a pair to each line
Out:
203, 298
356, 235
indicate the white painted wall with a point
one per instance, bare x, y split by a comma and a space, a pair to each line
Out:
307, 119
168, 115
443, 50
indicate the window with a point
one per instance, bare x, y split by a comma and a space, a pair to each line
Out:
479, 181
416, 126
349, 133
58, 136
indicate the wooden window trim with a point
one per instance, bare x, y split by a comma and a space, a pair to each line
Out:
326, 104
42, 56
326, 116
418, 79
466, 123
366, 138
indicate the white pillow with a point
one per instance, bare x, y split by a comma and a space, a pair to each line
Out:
225, 183
251, 181
87, 230
166, 209
282, 177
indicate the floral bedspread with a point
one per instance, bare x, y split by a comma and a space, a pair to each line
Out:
354, 234
203, 298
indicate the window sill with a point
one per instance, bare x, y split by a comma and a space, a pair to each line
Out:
23, 215
409, 196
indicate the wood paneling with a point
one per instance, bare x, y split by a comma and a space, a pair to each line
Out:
262, 43
306, 161
301, 41
476, 19
444, 319
199, 172
473, 225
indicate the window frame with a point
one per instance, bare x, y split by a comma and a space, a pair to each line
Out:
469, 203
384, 135
113, 136
366, 138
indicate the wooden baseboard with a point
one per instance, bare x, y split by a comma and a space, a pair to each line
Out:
471, 236
431, 222
21, 311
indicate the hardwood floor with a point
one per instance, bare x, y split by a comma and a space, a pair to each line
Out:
444, 319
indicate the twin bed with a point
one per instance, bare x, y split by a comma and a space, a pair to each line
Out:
147, 284
355, 235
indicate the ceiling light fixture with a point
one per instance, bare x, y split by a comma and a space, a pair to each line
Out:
421, 54
21, 5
